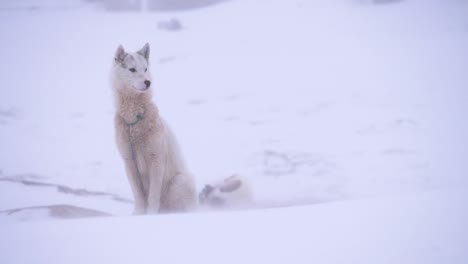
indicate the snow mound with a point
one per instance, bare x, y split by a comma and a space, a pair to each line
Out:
425, 229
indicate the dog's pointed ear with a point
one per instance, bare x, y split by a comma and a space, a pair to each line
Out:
145, 51
120, 54
230, 186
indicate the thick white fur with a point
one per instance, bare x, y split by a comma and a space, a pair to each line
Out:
158, 177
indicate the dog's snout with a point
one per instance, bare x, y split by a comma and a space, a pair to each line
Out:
147, 83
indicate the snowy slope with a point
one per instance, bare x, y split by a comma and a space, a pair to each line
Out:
427, 228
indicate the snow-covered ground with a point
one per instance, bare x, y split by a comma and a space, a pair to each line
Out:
404, 230
313, 101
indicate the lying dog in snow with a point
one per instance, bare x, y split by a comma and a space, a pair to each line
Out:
232, 192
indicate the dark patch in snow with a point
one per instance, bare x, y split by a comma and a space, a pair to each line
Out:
276, 163
233, 97
315, 109
405, 122
66, 189
231, 118
271, 141
154, 5
173, 5
398, 123
10, 113
27, 176
367, 130
418, 166
77, 115
379, 2
118, 5
167, 59
196, 102
25, 6
172, 24
96, 163
386, 1
396, 151
61, 211
256, 122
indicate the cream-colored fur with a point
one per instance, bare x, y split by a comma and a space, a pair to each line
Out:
158, 177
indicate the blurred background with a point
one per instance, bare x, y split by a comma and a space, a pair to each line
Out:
313, 101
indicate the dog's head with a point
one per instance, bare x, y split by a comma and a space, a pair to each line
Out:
131, 69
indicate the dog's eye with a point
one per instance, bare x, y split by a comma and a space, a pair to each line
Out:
132, 69
146, 69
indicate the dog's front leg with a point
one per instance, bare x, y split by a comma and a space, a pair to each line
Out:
137, 187
156, 177
134, 178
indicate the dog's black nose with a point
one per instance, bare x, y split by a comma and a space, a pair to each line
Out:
147, 83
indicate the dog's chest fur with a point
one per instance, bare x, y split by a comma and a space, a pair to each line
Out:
139, 116
139, 122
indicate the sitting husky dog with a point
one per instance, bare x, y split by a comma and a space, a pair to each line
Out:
155, 169
232, 192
